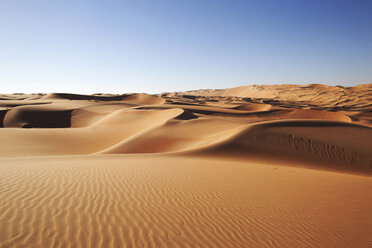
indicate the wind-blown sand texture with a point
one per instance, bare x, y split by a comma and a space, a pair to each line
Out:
254, 166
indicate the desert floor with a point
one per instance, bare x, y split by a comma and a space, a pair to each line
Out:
255, 166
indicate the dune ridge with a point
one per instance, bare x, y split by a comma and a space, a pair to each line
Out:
318, 94
236, 127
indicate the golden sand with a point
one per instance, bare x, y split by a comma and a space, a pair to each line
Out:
222, 168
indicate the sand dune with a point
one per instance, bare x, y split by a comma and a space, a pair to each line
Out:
138, 123
316, 144
105, 132
40, 116
332, 96
253, 166
134, 98
254, 107
318, 114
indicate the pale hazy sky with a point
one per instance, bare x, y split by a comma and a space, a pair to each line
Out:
172, 45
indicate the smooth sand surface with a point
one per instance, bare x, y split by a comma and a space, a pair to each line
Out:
206, 168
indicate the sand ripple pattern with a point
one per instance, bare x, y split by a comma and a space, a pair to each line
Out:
165, 201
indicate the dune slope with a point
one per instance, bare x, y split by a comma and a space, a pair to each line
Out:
286, 133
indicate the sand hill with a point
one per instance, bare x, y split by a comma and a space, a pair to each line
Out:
253, 166
323, 96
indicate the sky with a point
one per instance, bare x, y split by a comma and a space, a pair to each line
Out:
111, 46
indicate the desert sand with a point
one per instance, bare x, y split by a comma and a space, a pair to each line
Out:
253, 166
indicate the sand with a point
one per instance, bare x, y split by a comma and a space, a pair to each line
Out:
223, 168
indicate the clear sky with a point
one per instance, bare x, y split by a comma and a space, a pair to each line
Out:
172, 45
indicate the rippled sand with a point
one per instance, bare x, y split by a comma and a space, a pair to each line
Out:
167, 201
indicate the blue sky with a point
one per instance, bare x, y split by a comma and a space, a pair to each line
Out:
173, 45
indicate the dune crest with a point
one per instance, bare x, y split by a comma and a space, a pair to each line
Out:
242, 128
135, 98
317, 94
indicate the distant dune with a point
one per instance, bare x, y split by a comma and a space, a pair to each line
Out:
318, 94
252, 166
